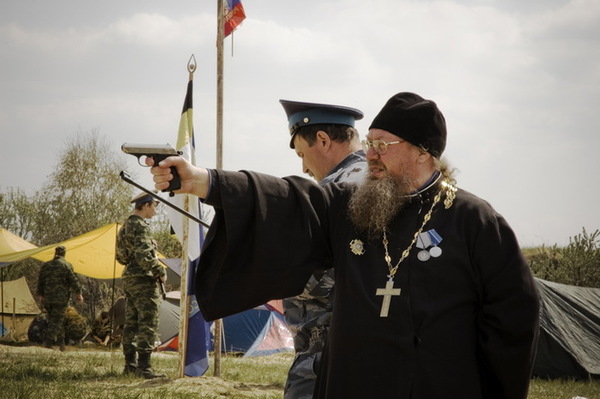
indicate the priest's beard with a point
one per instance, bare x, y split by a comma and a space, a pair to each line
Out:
376, 202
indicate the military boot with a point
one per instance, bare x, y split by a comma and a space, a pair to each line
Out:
145, 368
131, 365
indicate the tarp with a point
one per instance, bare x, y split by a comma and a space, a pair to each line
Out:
10, 243
569, 343
92, 254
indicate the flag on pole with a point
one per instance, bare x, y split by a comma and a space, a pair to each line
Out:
233, 16
191, 237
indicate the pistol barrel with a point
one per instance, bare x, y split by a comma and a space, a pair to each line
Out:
148, 149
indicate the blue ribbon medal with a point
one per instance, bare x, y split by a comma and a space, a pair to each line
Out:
428, 239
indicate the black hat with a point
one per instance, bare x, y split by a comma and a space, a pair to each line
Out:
415, 120
142, 198
60, 250
303, 114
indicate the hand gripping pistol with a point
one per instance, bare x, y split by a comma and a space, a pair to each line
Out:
158, 152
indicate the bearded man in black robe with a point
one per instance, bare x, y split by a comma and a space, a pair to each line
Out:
433, 299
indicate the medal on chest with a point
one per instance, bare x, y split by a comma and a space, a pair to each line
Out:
428, 242
389, 291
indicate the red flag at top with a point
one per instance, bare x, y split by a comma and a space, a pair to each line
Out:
233, 16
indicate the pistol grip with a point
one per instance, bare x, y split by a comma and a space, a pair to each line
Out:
175, 183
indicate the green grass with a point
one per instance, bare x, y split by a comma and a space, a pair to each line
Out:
34, 373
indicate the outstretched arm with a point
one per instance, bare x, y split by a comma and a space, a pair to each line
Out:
194, 180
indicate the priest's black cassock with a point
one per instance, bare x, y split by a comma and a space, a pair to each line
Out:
464, 325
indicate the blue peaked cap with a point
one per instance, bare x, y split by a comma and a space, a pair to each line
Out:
303, 114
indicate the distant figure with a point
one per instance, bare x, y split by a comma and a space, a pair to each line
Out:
56, 283
142, 277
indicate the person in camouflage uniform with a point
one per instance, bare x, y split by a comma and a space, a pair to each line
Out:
56, 283
102, 329
141, 278
324, 137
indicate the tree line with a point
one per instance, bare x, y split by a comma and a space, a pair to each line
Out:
578, 263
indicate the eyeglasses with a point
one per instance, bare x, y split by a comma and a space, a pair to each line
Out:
379, 146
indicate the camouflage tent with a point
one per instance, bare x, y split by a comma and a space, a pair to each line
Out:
569, 343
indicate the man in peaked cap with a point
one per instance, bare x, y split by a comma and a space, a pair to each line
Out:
324, 137
141, 278
57, 282
433, 296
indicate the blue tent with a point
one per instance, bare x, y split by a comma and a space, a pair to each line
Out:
257, 332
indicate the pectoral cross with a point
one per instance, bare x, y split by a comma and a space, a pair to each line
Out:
387, 293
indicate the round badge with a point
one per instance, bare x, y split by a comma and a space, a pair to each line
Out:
423, 255
435, 251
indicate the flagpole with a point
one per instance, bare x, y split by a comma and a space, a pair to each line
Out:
184, 299
220, 38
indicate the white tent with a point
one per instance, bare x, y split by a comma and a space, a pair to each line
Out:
18, 309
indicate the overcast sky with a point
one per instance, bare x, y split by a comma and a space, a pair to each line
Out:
517, 80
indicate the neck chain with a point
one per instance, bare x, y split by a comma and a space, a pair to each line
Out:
450, 195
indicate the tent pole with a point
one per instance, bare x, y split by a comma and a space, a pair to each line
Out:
2, 299
112, 298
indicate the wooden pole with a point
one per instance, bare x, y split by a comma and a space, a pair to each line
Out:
184, 306
220, 38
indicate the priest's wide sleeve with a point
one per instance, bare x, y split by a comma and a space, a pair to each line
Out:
509, 321
267, 237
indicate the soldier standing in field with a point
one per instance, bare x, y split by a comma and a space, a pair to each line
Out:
56, 283
142, 277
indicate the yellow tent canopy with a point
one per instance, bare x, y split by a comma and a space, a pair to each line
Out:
91, 254
10, 243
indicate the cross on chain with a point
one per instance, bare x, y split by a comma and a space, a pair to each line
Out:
387, 294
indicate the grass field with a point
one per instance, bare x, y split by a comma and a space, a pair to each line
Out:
29, 372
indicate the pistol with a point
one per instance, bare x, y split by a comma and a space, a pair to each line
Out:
158, 152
